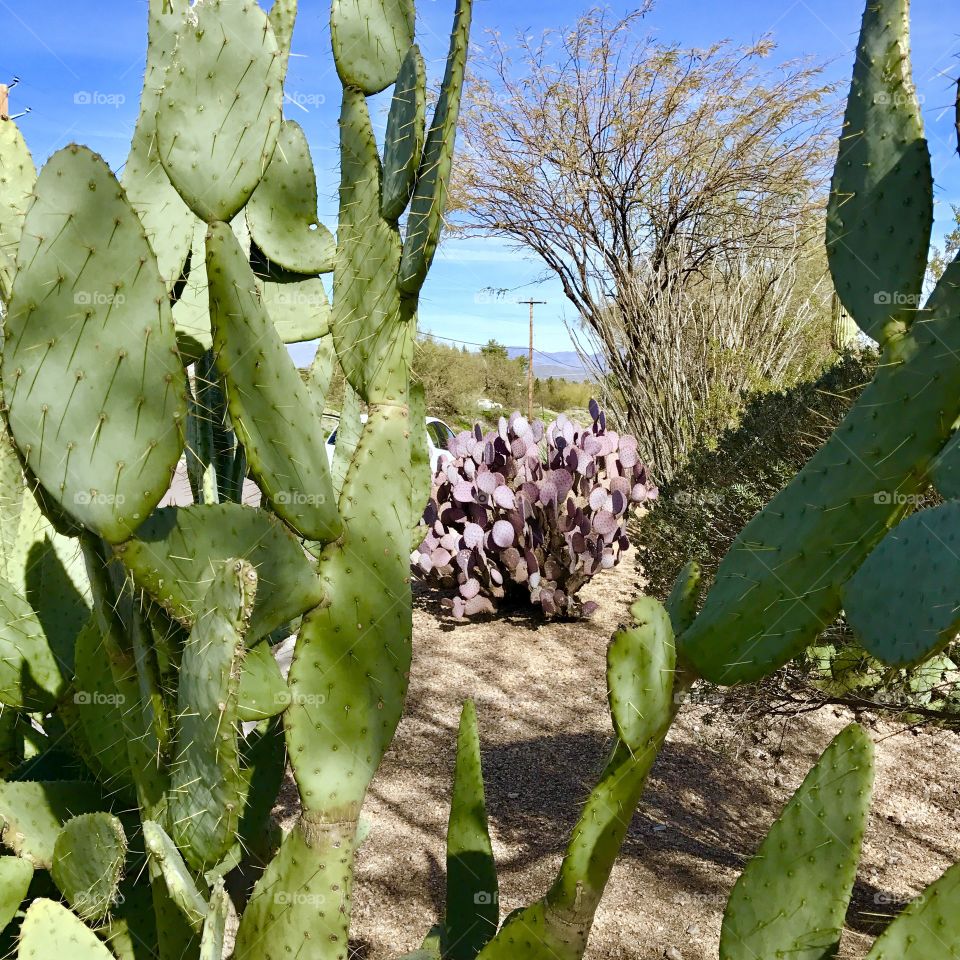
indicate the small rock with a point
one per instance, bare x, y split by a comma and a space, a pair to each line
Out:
778, 781
672, 953
659, 827
693, 930
513, 796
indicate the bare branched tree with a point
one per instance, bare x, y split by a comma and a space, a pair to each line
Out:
651, 179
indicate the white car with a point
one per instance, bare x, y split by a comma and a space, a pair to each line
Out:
438, 436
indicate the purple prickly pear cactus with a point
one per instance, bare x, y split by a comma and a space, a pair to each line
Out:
531, 511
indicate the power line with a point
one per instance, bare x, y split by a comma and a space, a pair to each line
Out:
471, 343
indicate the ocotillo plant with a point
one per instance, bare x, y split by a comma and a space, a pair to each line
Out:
132, 799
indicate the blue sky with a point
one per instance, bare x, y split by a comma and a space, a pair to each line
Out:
81, 67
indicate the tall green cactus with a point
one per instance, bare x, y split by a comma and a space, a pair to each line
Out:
145, 327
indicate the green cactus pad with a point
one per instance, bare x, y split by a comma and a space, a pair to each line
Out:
406, 132
283, 18
425, 220
180, 884
166, 219
15, 876
371, 333
206, 786
30, 678
473, 894
945, 470
297, 305
792, 897
682, 602
100, 707
303, 897
88, 862
12, 747
780, 583
557, 927
349, 428
881, 200
928, 927
272, 409
33, 813
50, 930
11, 504
216, 157
902, 602
370, 39
350, 669
90, 368
191, 312
282, 213
17, 179
421, 475
175, 553
215, 924
263, 690
640, 665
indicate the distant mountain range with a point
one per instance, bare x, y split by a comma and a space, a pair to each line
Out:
564, 364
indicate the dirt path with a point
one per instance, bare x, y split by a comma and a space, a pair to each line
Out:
545, 728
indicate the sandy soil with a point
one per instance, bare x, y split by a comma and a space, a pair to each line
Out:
712, 796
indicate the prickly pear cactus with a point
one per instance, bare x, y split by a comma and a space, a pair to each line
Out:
145, 332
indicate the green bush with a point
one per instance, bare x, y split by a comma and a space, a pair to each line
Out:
701, 511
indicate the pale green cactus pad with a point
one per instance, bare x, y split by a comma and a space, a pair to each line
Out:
78, 394
175, 554
792, 897
902, 602
405, 135
51, 930
215, 157
273, 411
881, 199
206, 784
88, 859
282, 213
370, 39
928, 927
473, 894
15, 876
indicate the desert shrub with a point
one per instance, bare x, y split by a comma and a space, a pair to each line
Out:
703, 508
528, 513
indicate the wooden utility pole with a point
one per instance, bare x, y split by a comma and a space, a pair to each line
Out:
531, 304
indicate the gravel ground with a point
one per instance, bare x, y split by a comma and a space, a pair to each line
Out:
713, 793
